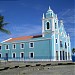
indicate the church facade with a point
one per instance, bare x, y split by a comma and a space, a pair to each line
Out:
53, 45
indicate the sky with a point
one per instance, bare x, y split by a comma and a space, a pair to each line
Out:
25, 16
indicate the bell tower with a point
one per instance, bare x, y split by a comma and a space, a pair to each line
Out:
48, 23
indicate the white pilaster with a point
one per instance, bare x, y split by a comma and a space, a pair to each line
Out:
67, 47
53, 25
54, 48
58, 45
70, 49
43, 25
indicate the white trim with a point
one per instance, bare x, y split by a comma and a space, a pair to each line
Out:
53, 25
59, 45
1, 47
39, 59
15, 55
70, 48
6, 40
54, 48
30, 45
8, 47
21, 45
20, 55
30, 55
13, 46
43, 27
33, 40
1, 55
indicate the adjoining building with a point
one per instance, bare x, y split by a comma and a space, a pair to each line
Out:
53, 45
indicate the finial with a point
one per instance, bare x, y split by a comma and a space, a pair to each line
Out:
56, 15
61, 22
68, 34
43, 16
49, 8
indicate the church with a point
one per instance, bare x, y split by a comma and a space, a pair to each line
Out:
52, 45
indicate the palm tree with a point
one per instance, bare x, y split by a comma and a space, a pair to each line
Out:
2, 24
73, 50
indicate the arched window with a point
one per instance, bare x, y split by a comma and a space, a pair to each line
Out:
48, 25
65, 45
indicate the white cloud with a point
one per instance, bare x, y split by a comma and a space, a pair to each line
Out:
22, 30
68, 15
25, 30
71, 31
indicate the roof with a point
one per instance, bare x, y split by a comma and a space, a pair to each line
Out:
22, 38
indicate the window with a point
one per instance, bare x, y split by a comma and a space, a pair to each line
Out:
56, 55
14, 55
7, 47
0, 55
48, 25
61, 44
60, 55
68, 44
66, 55
31, 55
0, 47
14, 46
63, 55
31, 45
22, 45
56, 40
51, 14
22, 55
65, 45
55, 26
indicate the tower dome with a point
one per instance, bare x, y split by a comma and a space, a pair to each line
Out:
49, 13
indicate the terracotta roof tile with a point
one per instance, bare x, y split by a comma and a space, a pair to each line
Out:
23, 38
20, 38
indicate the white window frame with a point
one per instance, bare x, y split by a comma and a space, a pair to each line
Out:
20, 54
13, 46
8, 47
1, 47
21, 45
30, 55
46, 26
1, 55
15, 55
30, 45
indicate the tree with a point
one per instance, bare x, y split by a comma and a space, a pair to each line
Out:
73, 50
2, 24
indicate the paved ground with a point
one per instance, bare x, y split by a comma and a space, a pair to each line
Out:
41, 70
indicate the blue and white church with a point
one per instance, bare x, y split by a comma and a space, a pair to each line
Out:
52, 45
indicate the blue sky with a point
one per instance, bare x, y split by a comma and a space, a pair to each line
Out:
24, 16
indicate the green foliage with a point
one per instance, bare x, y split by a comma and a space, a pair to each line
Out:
2, 24
73, 50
